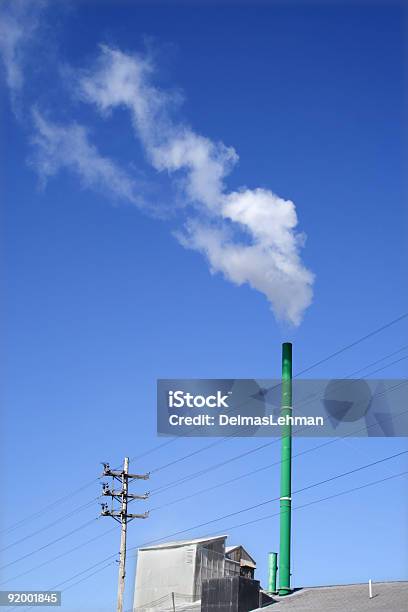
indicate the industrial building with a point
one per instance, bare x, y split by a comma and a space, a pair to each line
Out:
170, 576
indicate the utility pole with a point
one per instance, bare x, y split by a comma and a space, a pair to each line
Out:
286, 472
122, 515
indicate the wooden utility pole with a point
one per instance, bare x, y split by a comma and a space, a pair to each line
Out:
122, 515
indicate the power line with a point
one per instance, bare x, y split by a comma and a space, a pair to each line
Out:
154, 449
196, 452
53, 588
67, 552
268, 501
402, 348
263, 468
193, 475
49, 525
89, 576
57, 586
199, 473
352, 344
384, 367
49, 506
322, 499
66, 535
77, 582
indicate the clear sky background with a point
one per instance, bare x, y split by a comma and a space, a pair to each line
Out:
101, 299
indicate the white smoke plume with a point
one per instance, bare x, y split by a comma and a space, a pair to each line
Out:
19, 20
247, 235
68, 147
123, 80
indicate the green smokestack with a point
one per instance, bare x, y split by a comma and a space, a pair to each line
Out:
272, 570
286, 472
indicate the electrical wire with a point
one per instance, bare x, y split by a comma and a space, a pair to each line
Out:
321, 499
355, 343
66, 535
49, 525
48, 507
67, 552
402, 348
263, 468
55, 587
269, 501
220, 464
192, 454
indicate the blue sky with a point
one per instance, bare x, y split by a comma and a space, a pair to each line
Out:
102, 298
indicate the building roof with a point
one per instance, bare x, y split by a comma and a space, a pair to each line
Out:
230, 549
180, 543
351, 597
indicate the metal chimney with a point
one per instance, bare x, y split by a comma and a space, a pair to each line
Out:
286, 472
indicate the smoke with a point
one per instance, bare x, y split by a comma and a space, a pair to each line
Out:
68, 146
19, 21
123, 80
269, 261
248, 235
